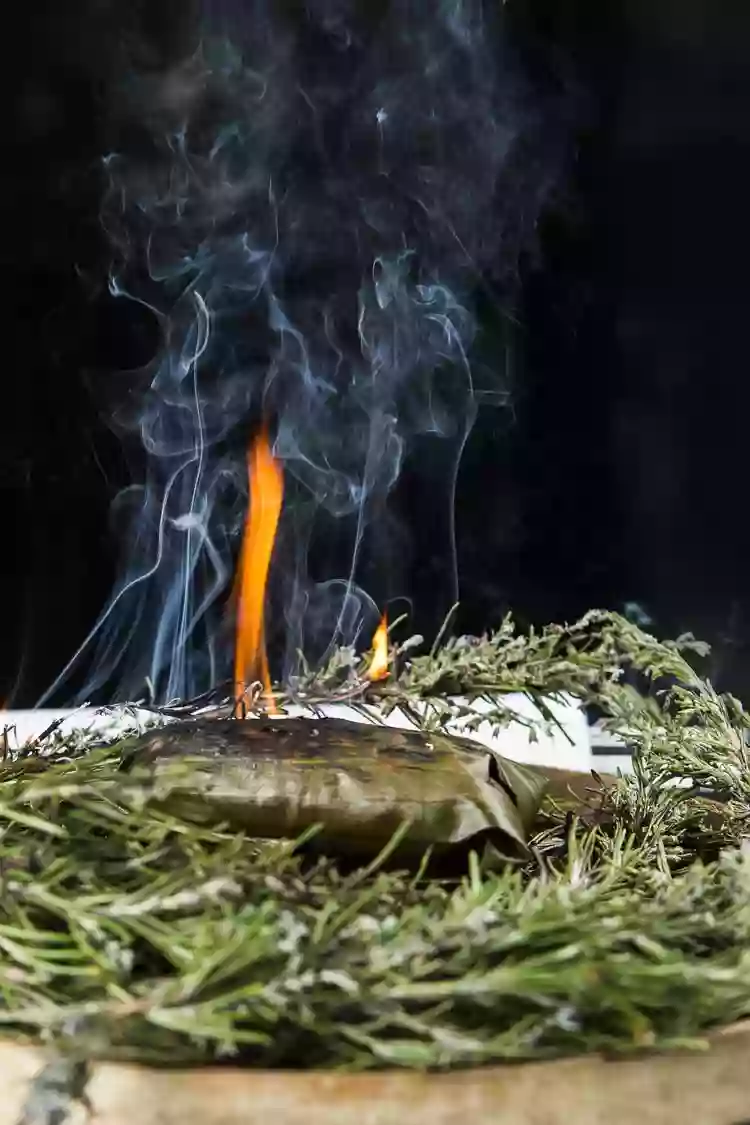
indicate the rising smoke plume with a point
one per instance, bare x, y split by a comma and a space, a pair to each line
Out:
308, 204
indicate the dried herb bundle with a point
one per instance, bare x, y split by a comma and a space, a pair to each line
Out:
363, 786
130, 932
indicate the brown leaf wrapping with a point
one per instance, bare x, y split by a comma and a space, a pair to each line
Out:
277, 778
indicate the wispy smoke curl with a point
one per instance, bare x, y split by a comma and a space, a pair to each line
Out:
307, 205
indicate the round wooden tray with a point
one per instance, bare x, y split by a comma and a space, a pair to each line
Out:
707, 1088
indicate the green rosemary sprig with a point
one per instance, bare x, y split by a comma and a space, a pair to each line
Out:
128, 932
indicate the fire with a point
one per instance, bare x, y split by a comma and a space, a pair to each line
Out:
266, 480
378, 669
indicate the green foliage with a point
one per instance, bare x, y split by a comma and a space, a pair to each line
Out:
129, 932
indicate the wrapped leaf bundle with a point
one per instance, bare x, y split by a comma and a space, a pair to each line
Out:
278, 778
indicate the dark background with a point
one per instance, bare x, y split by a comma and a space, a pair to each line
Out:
620, 477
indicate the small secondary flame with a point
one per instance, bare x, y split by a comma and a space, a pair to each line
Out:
378, 669
266, 481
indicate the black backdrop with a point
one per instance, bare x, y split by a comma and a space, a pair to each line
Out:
621, 475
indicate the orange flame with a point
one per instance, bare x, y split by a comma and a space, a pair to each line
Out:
266, 481
378, 669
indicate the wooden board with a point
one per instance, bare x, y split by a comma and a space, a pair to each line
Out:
709, 1088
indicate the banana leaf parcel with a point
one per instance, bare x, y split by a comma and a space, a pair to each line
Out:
359, 784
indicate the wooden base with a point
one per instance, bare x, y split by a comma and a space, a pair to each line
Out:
709, 1088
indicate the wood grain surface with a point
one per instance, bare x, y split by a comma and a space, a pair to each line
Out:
707, 1088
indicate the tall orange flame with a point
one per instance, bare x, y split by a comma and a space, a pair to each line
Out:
266, 480
378, 669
